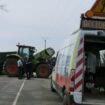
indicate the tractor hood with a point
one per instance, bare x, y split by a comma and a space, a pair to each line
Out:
45, 54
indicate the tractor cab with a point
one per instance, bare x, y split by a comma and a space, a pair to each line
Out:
26, 51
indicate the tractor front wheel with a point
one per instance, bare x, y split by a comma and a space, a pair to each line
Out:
43, 71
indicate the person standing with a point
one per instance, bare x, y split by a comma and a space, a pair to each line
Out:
28, 68
20, 68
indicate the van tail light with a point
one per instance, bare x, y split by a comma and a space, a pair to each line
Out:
72, 79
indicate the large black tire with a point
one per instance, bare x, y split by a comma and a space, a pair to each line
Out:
11, 67
43, 71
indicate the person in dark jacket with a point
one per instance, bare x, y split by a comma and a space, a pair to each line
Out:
28, 67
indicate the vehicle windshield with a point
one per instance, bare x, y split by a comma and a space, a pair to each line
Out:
24, 52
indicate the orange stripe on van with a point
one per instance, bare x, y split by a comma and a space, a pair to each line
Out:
61, 80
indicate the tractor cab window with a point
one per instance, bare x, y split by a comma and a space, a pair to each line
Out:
24, 51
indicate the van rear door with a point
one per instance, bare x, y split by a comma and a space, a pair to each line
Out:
79, 69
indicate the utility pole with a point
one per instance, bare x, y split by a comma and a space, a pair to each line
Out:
45, 43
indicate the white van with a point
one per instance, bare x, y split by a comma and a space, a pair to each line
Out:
79, 73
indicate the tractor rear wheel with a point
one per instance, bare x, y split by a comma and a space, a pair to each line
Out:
11, 67
43, 71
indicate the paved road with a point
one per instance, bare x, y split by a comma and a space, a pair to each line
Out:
27, 92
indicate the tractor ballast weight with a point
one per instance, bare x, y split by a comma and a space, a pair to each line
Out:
40, 61
45, 54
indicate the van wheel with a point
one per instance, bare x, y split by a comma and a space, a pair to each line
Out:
67, 100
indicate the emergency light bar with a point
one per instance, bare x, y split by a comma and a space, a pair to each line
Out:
92, 24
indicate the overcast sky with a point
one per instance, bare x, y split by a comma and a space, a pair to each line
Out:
30, 22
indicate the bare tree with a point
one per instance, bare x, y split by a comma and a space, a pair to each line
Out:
3, 7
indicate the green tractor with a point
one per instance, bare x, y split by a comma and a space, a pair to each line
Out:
41, 62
